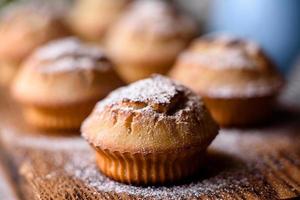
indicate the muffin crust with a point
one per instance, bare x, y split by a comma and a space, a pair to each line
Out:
91, 19
23, 28
153, 131
27, 27
148, 38
237, 81
227, 67
62, 81
154, 114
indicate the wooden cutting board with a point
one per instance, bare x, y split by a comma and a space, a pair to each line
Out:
256, 163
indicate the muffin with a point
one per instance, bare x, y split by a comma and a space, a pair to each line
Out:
237, 81
153, 131
90, 19
22, 29
148, 38
61, 82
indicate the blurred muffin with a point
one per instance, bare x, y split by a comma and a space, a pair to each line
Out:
289, 99
153, 131
236, 79
60, 83
148, 38
90, 19
23, 27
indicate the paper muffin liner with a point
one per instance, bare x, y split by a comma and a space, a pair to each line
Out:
150, 168
239, 111
60, 118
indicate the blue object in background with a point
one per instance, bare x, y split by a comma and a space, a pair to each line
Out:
275, 24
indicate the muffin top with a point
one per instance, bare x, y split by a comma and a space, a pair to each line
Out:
63, 72
148, 26
92, 18
23, 27
223, 66
151, 115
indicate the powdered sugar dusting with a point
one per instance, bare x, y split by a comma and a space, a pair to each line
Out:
229, 40
44, 142
215, 185
67, 46
69, 64
224, 51
154, 90
157, 89
43, 9
146, 8
156, 17
232, 58
68, 54
156, 95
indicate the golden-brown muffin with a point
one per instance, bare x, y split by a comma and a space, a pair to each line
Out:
236, 79
153, 131
22, 29
90, 19
147, 39
61, 82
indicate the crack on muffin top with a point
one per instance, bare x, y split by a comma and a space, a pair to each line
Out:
157, 93
70, 54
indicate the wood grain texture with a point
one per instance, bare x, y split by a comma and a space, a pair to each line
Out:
256, 163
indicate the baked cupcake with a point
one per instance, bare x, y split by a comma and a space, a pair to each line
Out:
60, 83
153, 131
90, 19
148, 38
22, 29
237, 81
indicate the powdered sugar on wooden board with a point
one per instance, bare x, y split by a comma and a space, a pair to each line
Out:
40, 141
238, 177
237, 165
